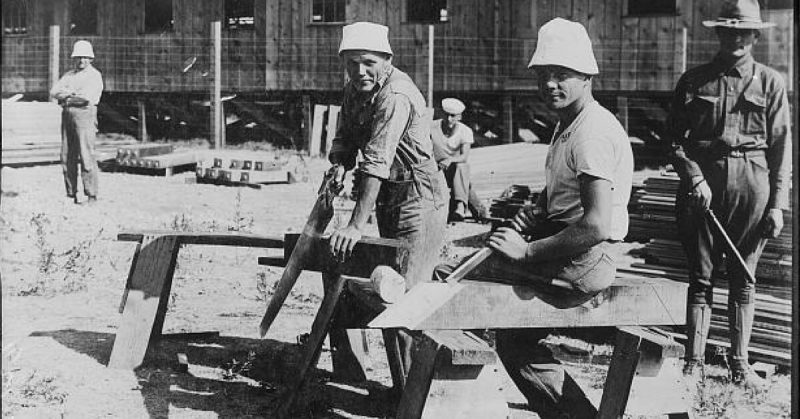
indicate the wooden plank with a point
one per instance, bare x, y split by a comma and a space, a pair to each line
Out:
155, 266
465, 392
210, 239
332, 127
419, 379
462, 348
620, 376
629, 54
476, 305
314, 145
368, 253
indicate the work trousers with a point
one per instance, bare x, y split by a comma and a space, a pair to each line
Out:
78, 133
541, 378
414, 211
740, 192
458, 175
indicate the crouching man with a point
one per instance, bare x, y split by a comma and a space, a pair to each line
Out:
572, 229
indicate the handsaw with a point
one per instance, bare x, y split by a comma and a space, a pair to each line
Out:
318, 221
730, 248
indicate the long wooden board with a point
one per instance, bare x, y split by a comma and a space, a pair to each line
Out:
477, 305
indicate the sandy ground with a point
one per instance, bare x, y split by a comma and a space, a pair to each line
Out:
63, 272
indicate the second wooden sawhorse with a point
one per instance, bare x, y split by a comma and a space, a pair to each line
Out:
437, 314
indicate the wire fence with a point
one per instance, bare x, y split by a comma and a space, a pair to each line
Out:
180, 64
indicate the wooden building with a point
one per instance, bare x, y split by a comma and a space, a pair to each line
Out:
285, 48
284, 45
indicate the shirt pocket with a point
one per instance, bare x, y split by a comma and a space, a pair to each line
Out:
754, 115
703, 110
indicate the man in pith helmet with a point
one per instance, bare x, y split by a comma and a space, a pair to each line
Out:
564, 244
78, 92
385, 118
729, 126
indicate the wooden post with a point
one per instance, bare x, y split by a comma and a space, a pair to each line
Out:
684, 48
430, 66
622, 108
55, 51
216, 87
508, 111
315, 142
142, 120
307, 125
333, 125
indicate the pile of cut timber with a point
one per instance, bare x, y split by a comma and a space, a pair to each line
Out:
652, 218
32, 134
248, 168
157, 157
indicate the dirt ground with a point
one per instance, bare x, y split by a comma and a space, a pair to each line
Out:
63, 272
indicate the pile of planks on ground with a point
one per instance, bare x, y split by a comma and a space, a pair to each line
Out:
154, 156
652, 220
32, 134
249, 168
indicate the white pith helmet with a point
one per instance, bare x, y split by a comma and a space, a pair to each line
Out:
82, 49
365, 36
565, 43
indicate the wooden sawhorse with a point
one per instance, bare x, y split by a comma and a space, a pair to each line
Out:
147, 290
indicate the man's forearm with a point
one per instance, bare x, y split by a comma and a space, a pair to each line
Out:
574, 239
367, 194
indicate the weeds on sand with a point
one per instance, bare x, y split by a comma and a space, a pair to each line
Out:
240, 222
238, 367
265, 287
30, 389
47, 255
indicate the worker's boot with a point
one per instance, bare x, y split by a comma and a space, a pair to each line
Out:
740, 322
698, 322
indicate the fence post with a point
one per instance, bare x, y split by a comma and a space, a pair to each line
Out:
55, 56
684, 48
142, 119
508, 112
430, 66
216, 88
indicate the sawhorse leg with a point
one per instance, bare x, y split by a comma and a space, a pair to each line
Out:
320, 328
639, 350
145, 300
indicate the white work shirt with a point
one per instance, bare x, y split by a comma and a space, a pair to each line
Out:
86, 83
451, 145
594, 144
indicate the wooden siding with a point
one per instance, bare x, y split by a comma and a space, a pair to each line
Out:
485, 46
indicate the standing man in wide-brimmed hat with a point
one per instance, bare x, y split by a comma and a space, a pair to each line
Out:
78, 91
575, 226
729, 125
385, 118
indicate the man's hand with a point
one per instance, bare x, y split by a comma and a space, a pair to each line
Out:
525, 220
444, 163
342, 242
700, 196
509, 243
772, 224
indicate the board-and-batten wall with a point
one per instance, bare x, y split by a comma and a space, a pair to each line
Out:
484, 47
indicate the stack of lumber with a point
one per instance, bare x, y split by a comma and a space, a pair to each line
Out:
772, 329
245, 168
651, 209
32, 134
154, 156
652, 219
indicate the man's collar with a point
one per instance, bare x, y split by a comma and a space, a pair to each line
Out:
743, 66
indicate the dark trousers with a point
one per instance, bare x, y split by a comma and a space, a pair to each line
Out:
740, 188
78, 133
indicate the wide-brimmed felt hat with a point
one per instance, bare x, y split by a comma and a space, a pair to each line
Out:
739, 14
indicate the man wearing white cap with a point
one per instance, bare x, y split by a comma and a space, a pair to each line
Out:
729, 125
452, 141
384, 116
580, 215
78, 92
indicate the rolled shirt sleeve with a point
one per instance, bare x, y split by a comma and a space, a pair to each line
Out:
392, 116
